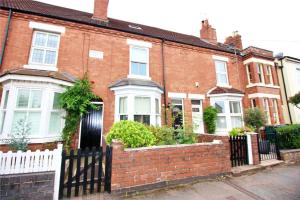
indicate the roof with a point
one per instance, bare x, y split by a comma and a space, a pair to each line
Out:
41, 73
51, 11
135, 82
290, 58
223, 90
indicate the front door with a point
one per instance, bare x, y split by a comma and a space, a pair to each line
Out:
91, 128
197, 116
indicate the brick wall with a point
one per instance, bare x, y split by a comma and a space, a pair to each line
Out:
34, 186
156, 167
290, 155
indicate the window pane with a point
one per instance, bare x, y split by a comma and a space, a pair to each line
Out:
123, 105
139, 55
220, 106
222, 79
5, 99
176, 101
142, 105
235, 107
157, 106
145, 119
221, 122
236, 122
2, 119
19, 121
220, 66
23, 98
143, 69
195, 109
52, 41
196, 102
56, 105
40, 39
138, 68
123, 117
34, 119
36, 98
55, 124
37, 55
50, 57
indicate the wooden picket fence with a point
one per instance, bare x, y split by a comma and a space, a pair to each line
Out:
29, 162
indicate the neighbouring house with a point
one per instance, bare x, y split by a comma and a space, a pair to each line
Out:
142, 73
288, 69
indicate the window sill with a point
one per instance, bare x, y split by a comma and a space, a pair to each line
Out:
139, 77
41, 67
225, 86
36, 140
262, 85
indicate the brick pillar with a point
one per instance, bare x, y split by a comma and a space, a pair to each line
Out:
118, 150
255, 153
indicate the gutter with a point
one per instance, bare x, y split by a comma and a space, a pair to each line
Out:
285, 92
5, 36
111, 28
164, 80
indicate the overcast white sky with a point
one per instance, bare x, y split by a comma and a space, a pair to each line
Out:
269, 24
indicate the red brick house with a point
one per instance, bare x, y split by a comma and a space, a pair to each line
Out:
137, 70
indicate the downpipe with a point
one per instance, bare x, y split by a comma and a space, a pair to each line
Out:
5, 36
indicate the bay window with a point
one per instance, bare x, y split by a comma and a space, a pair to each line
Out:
230, 113
33, 107
142, 109
260, 72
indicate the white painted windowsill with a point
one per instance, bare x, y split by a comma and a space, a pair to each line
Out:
41, 67
139, 77
36, 140
262, 85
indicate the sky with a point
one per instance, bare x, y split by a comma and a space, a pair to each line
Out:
268, 24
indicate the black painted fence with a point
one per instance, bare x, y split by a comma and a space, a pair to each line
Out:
238, 150
84, 172
268, 146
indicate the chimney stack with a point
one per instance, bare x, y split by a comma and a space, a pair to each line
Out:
100, 10
208, 33
235, 40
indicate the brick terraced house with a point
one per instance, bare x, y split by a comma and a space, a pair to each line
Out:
140, 72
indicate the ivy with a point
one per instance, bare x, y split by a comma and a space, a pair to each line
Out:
76, 101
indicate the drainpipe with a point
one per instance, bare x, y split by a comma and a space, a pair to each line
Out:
164, 80
285, 92
5, 37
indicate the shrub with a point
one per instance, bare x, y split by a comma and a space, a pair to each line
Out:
240, 131
185, 135
288, 136
210, 117
255, 118
131, 134
164, 135
19, 140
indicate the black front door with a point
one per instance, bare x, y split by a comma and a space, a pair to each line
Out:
91, 128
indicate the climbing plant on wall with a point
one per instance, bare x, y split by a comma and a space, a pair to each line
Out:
76, 101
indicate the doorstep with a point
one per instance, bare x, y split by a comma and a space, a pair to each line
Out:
248, 169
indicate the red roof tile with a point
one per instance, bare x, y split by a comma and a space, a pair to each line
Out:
47, 10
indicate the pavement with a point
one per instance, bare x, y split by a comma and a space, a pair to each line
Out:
276, 183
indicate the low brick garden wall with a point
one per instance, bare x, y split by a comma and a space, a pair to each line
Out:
290, 155
155, 167
33, 186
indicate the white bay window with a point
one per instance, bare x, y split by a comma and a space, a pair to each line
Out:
32, 106
229, 113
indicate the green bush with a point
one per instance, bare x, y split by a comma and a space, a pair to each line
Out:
240, 131
131, 134
289, 136
185, 135
255, 118
164, 135
210, 117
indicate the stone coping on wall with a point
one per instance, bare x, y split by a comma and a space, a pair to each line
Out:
289, 150
214, 142
290, 155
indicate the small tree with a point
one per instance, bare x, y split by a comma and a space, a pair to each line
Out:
255, 118
295, 100
19, 140
210, 118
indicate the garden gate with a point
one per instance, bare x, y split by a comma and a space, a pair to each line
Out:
238, 150
83, 171
268, 148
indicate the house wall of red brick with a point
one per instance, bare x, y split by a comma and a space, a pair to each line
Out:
156, 167
184, 64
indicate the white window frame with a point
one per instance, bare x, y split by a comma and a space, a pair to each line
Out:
226, 71
269, 74
248, 71
131, 92
46, 107
227, 113
267, 110
139, 45
275, 111
43, 66
252, 100
260, 72
119, 113
200, 106
60, 111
